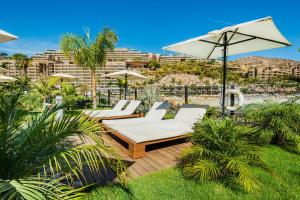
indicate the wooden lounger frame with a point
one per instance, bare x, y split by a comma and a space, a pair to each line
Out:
100, 119
138, 150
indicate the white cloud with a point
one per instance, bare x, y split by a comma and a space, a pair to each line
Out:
27, 46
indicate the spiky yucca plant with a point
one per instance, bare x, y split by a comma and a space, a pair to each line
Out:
278, 123
39, 159
221, 151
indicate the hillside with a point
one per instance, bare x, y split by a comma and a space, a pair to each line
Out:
262, 62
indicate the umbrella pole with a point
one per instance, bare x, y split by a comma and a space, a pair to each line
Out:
125, 86
224, 72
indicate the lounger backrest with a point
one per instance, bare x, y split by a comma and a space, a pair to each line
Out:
190, 114
131, 107
119, 105
158, 111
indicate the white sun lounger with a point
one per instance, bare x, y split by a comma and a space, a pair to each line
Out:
137, 136
117, 107
156, 113
126, 113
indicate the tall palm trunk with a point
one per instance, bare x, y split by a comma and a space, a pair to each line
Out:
94, 89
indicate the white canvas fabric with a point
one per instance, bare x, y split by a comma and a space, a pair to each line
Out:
63, 76
189, 114
119, 106
5, 36
130, 108
156, 113
148, 131
4, 79
116, 108
131, 75
258, 35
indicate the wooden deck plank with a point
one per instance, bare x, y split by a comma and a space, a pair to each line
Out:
155, 160
152, 162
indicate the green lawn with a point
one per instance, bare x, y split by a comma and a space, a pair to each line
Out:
169, 184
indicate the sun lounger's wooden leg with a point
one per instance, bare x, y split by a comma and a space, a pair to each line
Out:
137, 150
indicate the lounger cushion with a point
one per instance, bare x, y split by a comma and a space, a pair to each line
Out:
131, 107
156, 113
152, 131
117, 107
157, 130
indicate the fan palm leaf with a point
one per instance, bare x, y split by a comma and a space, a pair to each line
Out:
39, 155
277, 123
221, 151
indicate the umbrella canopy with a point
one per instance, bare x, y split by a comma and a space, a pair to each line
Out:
127, 75
257, 35
63, 76
4, 79
4, 36
130, 75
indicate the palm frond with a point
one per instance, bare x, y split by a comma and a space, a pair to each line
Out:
222, 151
243, 173
202, 169
38, 189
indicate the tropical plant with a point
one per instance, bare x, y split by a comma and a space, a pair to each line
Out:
121, 83
21, 62
153, 64
220, 151
45, 87
89, 54
39, 158
70, 95
150, 96
278, 123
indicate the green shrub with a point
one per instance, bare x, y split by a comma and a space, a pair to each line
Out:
278, 123
221, 151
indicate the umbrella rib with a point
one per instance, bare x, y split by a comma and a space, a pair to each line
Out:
232, 35
214, 47
261, 38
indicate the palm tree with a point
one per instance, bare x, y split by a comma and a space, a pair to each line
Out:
22, 62
89, 54
278, 123
38, 159
70, 95
45, 87
221, 151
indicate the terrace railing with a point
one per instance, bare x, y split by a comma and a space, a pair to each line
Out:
107, 96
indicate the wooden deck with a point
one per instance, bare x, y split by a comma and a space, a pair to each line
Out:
159, 156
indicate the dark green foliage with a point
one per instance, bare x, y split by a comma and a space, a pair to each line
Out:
221, 151
278, 123
37, 153
70, 96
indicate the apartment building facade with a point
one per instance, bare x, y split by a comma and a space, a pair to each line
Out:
268, 73
51, 62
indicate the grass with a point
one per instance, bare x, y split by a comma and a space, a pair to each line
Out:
169, 116
169, 184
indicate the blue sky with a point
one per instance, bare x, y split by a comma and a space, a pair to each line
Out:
142, 25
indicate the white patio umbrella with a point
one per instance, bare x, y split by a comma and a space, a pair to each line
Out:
63, 76
5, 36
125, 74
4, 79
257, 35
